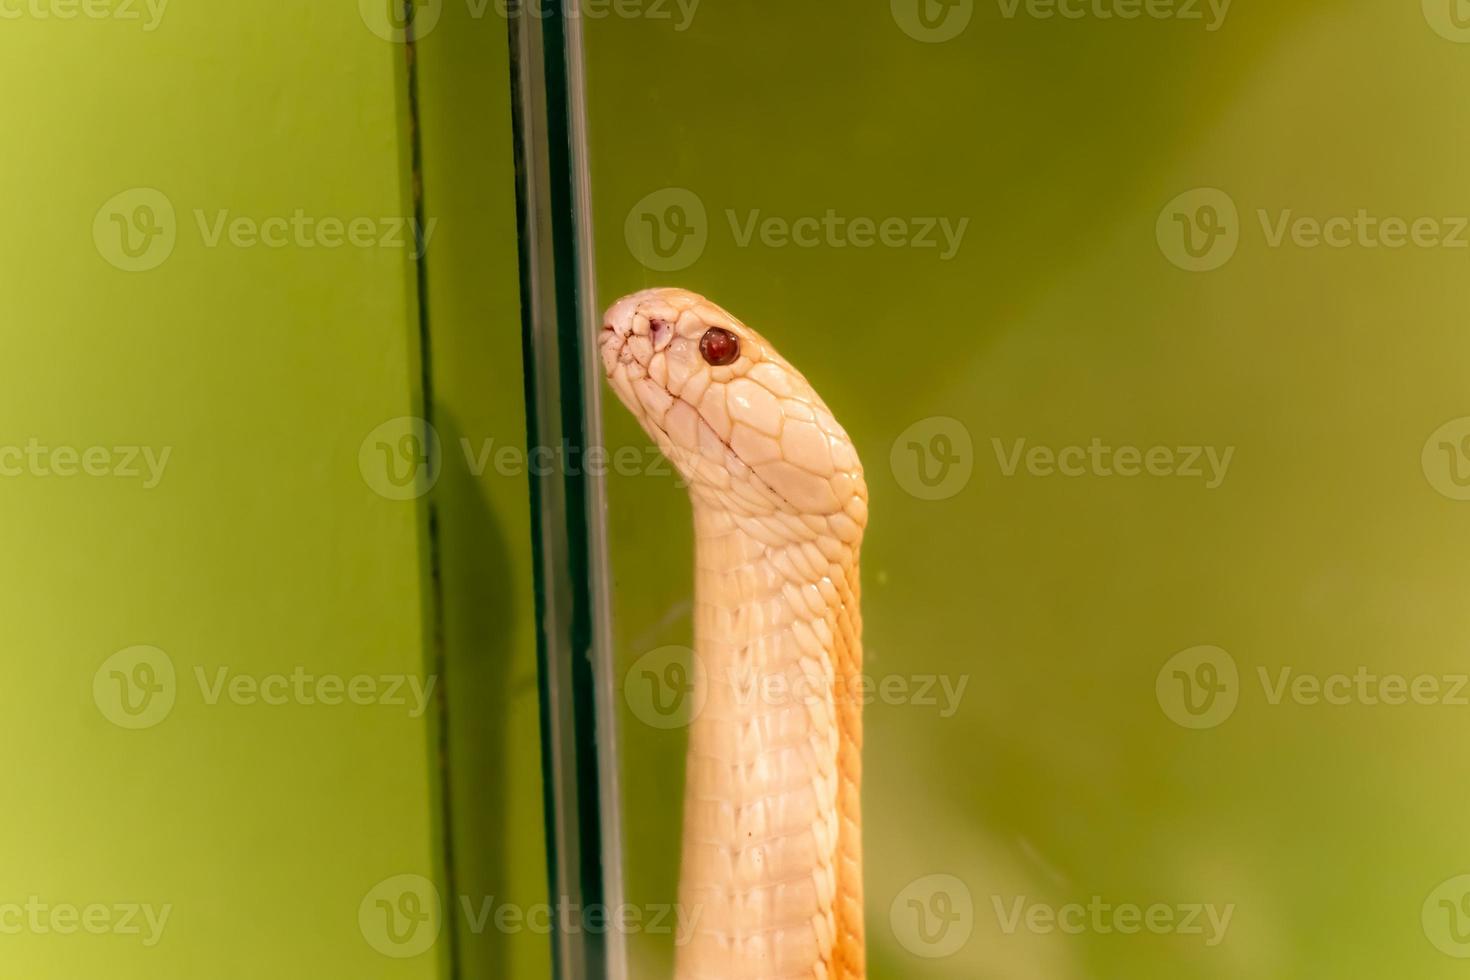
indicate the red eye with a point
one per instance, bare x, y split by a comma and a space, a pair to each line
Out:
719, 346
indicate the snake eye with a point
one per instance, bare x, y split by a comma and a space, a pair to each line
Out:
719, 346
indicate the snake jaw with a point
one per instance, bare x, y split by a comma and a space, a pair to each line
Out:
772, 859
750, 436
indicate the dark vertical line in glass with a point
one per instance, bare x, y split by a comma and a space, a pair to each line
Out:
437, 651
573, 445
552, 301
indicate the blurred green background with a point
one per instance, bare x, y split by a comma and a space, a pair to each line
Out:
1067, 314
1086, 713
292, 524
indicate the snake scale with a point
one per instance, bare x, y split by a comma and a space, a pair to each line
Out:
771, 862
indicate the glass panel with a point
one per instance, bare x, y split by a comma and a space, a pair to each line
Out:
486, 586
270, 704
220, 715
1147, 321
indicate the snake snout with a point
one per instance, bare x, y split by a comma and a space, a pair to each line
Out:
611, 343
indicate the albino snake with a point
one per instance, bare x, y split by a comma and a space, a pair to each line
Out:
771, 867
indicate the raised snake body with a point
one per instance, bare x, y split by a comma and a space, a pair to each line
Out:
771, 865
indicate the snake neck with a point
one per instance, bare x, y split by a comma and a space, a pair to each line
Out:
771, 872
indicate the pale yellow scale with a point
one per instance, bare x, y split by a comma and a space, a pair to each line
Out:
771, 863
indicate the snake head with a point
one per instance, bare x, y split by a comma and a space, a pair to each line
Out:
742, 426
